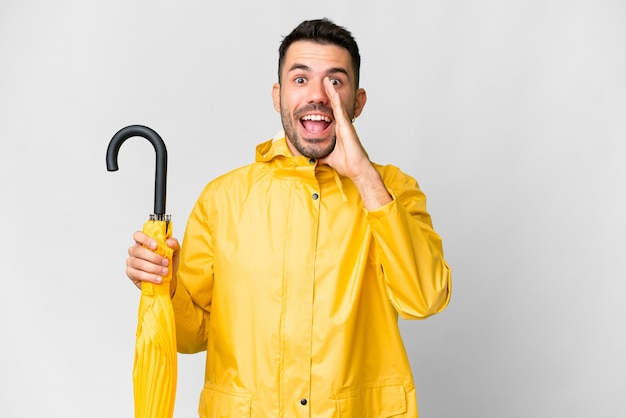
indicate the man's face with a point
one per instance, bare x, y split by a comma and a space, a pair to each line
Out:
301, 97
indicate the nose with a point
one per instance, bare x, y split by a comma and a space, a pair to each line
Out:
317, 92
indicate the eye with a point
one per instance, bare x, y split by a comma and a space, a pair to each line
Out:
335, 82
299, 80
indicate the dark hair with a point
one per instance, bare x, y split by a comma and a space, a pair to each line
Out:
325, 32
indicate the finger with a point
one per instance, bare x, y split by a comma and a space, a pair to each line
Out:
140, 252
145, 240
139, 276
339, 110
141, 269
158, 266
173, 244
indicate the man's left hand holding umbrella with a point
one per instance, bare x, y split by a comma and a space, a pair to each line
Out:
144, 264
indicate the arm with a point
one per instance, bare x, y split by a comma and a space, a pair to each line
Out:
410, 252
191, 284
194, 288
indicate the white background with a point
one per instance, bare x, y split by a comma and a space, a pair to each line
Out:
511, 115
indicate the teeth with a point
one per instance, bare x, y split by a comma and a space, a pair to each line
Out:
316, 118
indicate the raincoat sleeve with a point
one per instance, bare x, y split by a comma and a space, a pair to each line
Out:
409, 251
194, 289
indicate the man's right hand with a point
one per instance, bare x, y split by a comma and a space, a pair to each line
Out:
144, 265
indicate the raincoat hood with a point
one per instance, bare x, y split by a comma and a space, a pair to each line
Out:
275, 147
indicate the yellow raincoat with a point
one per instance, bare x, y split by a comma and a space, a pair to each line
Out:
294, 290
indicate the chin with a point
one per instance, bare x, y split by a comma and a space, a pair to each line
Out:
317, 151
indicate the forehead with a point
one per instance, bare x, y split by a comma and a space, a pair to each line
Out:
316, 56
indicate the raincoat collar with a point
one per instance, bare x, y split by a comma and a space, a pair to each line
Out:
273, 148
277, 151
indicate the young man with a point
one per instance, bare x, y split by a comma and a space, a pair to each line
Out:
294, 268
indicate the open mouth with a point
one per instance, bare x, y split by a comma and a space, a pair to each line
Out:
315, 124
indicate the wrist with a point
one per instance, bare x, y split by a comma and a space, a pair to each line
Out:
372, 189
366, 175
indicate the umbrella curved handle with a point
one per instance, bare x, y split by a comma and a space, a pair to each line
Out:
161, 159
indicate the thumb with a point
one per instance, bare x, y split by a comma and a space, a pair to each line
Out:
173, 244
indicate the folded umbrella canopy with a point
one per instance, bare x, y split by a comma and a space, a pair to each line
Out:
155, 367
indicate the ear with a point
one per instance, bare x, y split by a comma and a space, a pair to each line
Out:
361, 98
276, 96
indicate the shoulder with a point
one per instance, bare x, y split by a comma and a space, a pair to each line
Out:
235, 182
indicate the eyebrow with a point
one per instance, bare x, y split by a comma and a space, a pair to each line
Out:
333, 70
336, 70
297, 66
